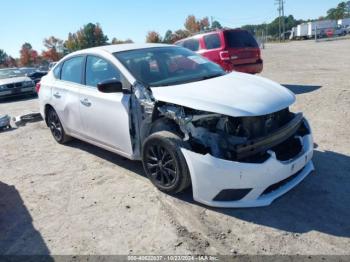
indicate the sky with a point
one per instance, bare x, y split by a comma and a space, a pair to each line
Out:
32, 21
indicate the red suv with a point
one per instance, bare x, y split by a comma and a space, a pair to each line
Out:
232, 49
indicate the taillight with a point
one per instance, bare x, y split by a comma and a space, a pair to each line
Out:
224, 55
37, 87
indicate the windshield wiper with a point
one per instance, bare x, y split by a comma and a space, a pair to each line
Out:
212, 76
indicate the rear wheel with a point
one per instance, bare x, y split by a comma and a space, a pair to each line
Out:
164, 162
56, 127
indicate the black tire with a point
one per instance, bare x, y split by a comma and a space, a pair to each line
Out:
55, 125
164, 162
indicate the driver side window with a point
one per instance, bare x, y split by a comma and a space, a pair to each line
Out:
98, 70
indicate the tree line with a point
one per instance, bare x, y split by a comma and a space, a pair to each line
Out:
192, 26
92, 35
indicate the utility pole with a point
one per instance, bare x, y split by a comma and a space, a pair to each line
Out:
283, 20
281, 25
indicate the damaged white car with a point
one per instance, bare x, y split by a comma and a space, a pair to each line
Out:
230, 136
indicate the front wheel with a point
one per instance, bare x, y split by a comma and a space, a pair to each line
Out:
164, 162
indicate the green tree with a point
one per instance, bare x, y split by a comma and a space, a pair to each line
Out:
216, 25
3, 57
272, 28
90, 35
168, 37
340, 12
54, 50
180, 34
116, 41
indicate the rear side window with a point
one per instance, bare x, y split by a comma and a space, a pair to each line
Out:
212, 41
72, 69
57, 71
240, 39
192, 44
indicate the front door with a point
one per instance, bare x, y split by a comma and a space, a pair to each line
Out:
105, 116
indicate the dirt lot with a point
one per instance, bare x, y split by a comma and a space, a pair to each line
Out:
79, 199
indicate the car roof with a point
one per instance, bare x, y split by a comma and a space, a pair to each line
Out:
121, 47
201, 34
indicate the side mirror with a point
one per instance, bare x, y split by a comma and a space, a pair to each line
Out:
110, 86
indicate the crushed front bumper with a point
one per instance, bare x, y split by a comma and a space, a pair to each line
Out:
249, 184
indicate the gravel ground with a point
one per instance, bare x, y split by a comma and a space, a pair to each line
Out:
79, 199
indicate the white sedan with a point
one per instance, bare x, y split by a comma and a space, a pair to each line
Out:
230, 136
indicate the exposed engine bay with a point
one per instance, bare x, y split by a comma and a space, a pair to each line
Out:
244, 139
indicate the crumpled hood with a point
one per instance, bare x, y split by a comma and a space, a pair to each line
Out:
234, 94
13, 80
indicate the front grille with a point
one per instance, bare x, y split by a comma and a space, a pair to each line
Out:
280, 184
14, 85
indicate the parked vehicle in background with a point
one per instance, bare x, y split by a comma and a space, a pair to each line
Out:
33, 73
4, 122
14, 82
344, 22
232, 49
309, 29
347, 30
37, 75
27, 70
51, 65
43, 68
333, 32
230, 135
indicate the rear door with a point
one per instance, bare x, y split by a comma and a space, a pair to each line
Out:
212, 47
242, 47
65, 93
105, 116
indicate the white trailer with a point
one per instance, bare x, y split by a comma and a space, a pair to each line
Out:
344, 22
321, 26
299, 32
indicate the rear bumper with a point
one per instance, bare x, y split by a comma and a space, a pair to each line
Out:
261, 182
249, 68
254, 68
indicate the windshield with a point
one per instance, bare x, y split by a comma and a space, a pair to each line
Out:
240, 39
9, 73
28, 70
164, 66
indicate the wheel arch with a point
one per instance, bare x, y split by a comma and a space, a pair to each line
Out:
46, 109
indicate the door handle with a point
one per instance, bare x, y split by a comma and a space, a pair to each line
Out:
85, 102
57, 95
